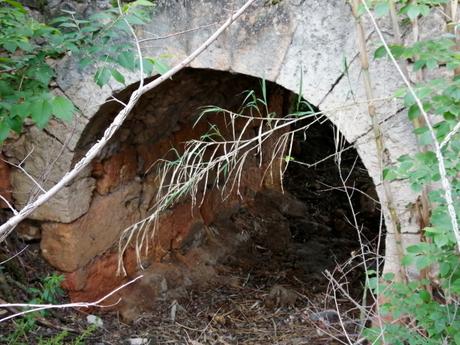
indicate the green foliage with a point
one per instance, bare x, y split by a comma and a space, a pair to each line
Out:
25, 47
409, 8
48, 294
424, 317
62, 338
29, 48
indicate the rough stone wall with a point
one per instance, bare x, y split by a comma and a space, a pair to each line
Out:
294, 40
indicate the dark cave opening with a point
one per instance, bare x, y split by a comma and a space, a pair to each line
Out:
269, 253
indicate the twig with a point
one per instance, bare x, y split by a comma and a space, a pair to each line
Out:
333, 155
39, 307
450, 135
176, 33
41, 320
15, 255
9, 205
19, 166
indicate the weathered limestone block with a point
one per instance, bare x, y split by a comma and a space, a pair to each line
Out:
43, 154
323, 39
272, 27
346, 105
404, 200
67, 133
66, 206
399, 139
71, 246
46, 160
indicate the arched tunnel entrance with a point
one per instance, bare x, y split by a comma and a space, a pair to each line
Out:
243, 265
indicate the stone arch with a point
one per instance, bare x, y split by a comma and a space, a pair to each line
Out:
310, 41
124, 186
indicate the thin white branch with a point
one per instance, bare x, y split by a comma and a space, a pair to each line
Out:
39, 307
450, 135
15, 255
114, 99
9, 205
19, 166
176, 33
333, 155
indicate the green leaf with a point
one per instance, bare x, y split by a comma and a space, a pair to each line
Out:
425, 296
161, 67
134, 19
425, 138
22, 110
418, 248
42, 73
424, 10
10, 46
444, 269
380, 52
4, 131
15, 123
431, 64
457, 338
85, 62
413, 11
16, 5
127, 60
423, 262
421, 130
389, 276
41, 112
389, 174
145, 3
397, 50
409, 99
156, 64
373, 283
407, 260
419, 64
62, 108
414, 112
117, 76
381, 9
102, 76
433, 230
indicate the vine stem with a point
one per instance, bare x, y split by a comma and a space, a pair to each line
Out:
437, 147
379, 140
9, 225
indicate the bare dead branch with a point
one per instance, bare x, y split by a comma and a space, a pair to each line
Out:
39, 307
174, 34
15, 255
